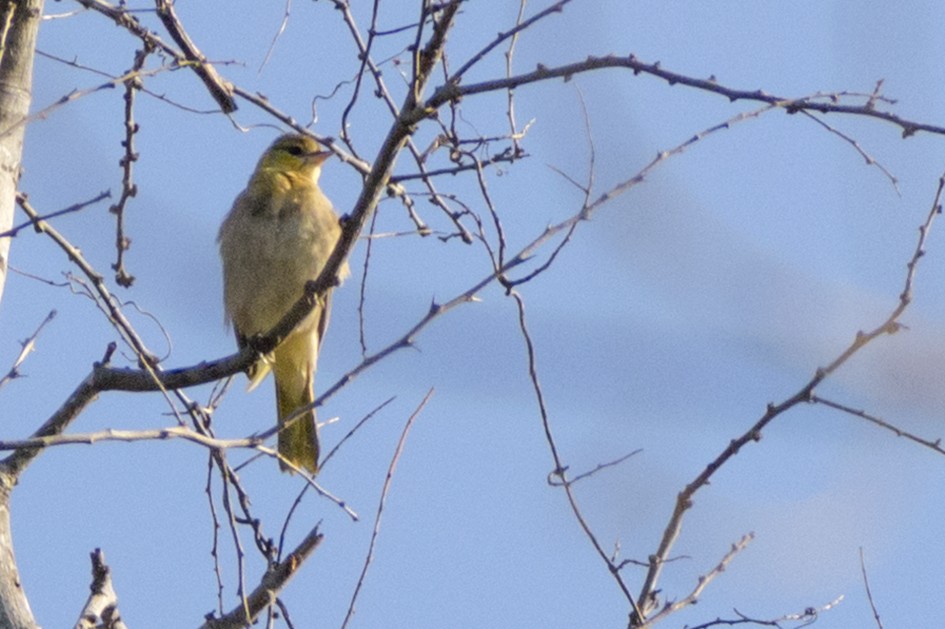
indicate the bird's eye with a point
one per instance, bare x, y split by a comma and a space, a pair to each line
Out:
294, 150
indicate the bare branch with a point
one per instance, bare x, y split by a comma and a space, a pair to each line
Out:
380, 507
128, 188
75, 207
101, 610
275, 38
806, 617
272, 582
114, 312
510, 34
935, 445
684, 500
703, 581
870, 161
557, 480
560, 470
869, 594
26, 348
453, 90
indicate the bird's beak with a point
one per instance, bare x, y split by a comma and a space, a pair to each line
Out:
318, 157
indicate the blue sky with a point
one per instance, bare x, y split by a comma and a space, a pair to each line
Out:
668, 323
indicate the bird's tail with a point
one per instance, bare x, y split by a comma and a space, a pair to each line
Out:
298, 435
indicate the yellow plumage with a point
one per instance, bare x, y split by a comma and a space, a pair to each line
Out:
277, 236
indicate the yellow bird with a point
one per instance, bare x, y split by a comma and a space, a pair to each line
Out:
278, 235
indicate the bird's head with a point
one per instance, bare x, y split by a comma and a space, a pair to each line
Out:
294, 153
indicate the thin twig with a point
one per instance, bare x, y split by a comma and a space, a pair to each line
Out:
510, 94
75, 207
870, 161
869, 594
559, 468
693, 597
272, 582
557, 480
935, 445
279, 32
806, 617
385, 491
26, 348
520, 25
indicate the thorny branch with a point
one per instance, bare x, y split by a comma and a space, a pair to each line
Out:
684, 500
453, 90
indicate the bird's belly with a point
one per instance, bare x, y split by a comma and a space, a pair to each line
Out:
273, 267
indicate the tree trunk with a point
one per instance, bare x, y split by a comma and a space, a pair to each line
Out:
19, 21
15, 610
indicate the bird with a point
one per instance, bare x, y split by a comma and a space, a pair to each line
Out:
278, 235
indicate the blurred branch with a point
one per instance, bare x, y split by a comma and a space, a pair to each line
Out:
26, 348
19, 23
275, 38
504, 157
156, 434
44, 439
510, 35
161, 97
684, 500
807, 617
517, 150
75, 95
